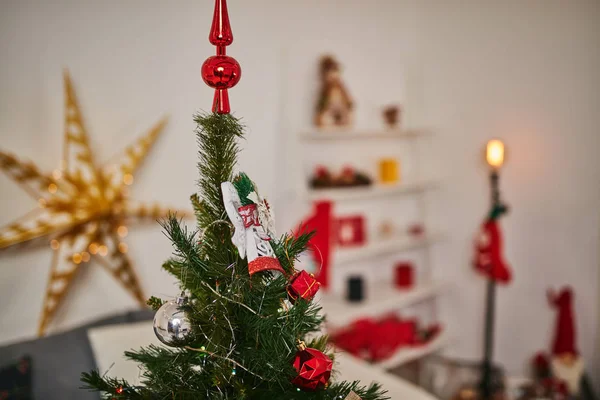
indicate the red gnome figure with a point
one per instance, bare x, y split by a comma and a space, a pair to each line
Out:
488, 252
566, 364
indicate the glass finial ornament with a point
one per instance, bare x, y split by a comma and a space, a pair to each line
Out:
171, 325
221, 72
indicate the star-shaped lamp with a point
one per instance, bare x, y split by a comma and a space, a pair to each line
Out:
83, 209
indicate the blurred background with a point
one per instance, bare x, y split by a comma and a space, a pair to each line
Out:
407, 190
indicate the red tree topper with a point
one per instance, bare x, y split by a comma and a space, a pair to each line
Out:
221, 72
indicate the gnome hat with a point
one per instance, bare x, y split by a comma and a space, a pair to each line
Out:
564, 335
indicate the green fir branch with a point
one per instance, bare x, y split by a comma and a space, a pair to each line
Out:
289, 248
244, 186
155, 303
217, 139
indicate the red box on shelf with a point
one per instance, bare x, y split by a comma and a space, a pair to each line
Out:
404, 275
350, 231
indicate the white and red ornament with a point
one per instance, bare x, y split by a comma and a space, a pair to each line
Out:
250, 236
266, 218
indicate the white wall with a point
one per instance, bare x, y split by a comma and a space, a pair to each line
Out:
524, 71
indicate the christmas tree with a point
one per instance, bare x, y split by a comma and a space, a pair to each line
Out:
240, 328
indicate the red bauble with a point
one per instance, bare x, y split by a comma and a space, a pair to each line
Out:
314, 369
303, 285
221, 72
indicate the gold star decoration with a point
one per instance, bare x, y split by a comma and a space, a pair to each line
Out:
83, 209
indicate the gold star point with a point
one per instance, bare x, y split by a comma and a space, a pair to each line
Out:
82, 208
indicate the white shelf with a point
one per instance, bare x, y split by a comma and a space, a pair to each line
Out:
363, 192
339, 312
402, 356
352, 134
408, 354
354, 369
386, 246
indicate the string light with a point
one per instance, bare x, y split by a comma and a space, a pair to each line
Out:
52, 188
80, 214
103, 250
128, 179
77, 258
85, 256
55, 244
122, 231
93, 247
123, 247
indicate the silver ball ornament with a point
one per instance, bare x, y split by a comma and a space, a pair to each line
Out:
171, 325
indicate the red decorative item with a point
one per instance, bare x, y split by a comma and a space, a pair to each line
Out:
416, 229
541, 365
488, 253
564, 339
350, 231
320, 243
378, 340
313, 367
303, 285
321, 172
264, 264
426, 335
221, 72
389, 335
404, 275
356, 339
220, 31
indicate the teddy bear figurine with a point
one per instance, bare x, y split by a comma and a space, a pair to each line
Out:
334, 106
